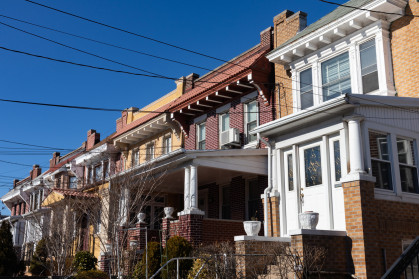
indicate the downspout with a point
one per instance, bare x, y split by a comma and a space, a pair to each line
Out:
269, 188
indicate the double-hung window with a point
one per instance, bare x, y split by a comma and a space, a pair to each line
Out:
106, 169
225, 122
98, 173
369, 71
336, 78
73, 182
251, 119
407, 166
380, 160
135, 157
149, 152
306, 89
167, 144
201, 136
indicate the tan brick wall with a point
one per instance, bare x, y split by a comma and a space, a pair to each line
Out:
405, 51
273, 217
286, 25
376, 227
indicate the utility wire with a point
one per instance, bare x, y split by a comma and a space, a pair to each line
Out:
111, 45
363, 9
128, 32
79, 50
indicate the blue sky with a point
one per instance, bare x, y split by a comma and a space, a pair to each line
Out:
221, 29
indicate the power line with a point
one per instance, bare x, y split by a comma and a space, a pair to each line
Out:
33, 145
79, 50
363, 9
109, 44
128, 32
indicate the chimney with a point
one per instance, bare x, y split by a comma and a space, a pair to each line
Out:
35, 172
287, 24
55, 159
190, 81
15, 181
92, 138
180, 85
266, 37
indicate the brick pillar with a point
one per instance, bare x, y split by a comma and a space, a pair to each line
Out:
359, 205
140, 234
105, 264
191, 228
165, 230
273, 217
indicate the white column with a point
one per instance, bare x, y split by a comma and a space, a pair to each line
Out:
186, 197
355, 145
194, 188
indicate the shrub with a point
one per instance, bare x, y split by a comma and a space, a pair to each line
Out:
197, 264
84, 261
38, 265
177, 247
153, 259
9, 263
92, 274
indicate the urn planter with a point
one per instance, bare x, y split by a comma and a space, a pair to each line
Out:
141, 217
308, 220
252, 228
168, 211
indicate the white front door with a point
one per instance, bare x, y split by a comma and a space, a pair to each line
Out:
313, 182
291, 193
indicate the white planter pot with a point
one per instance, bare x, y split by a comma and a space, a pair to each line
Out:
168, 211
251, 228
141, 217
308, 220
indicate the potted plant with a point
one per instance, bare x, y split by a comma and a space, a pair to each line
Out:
252, 227
308, 220
168, 211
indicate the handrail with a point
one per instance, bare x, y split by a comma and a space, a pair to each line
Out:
403, 262
177, 261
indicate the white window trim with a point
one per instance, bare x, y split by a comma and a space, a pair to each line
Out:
198, 134
254, 142
220, 125
396, 194
379, 32
165, 149
151, 145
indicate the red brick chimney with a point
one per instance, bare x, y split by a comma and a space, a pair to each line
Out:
92, 138
15, 181
55, 159
266, 37
35, 172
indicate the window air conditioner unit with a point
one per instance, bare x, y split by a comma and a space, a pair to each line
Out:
230, 137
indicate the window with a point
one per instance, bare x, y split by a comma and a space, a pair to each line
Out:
290, 172
380, 160
306, 89
106, 169
201, 136
98, 173
225, 122
369, 71
167, 144
407, 166
135, 157
149, 152
225, 205
73, 182
253, 199
337, 161
313, 167
336, 79
251, 119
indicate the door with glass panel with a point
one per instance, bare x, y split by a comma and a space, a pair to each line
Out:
313, 184
337, 171
291, 193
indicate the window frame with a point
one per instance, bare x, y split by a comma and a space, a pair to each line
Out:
301, 158
167, 148
135, 160
150, 147
245, 120
198, 135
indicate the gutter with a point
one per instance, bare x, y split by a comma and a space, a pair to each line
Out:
270, 186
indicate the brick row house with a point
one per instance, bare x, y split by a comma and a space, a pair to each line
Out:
345, 145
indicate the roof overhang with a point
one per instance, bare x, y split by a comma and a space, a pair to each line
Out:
338, 29
146, 130
97, 154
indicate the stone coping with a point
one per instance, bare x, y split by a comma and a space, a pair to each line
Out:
261, 238
317, 232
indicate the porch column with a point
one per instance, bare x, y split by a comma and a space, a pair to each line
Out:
186, 196
194, 188
355, 144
